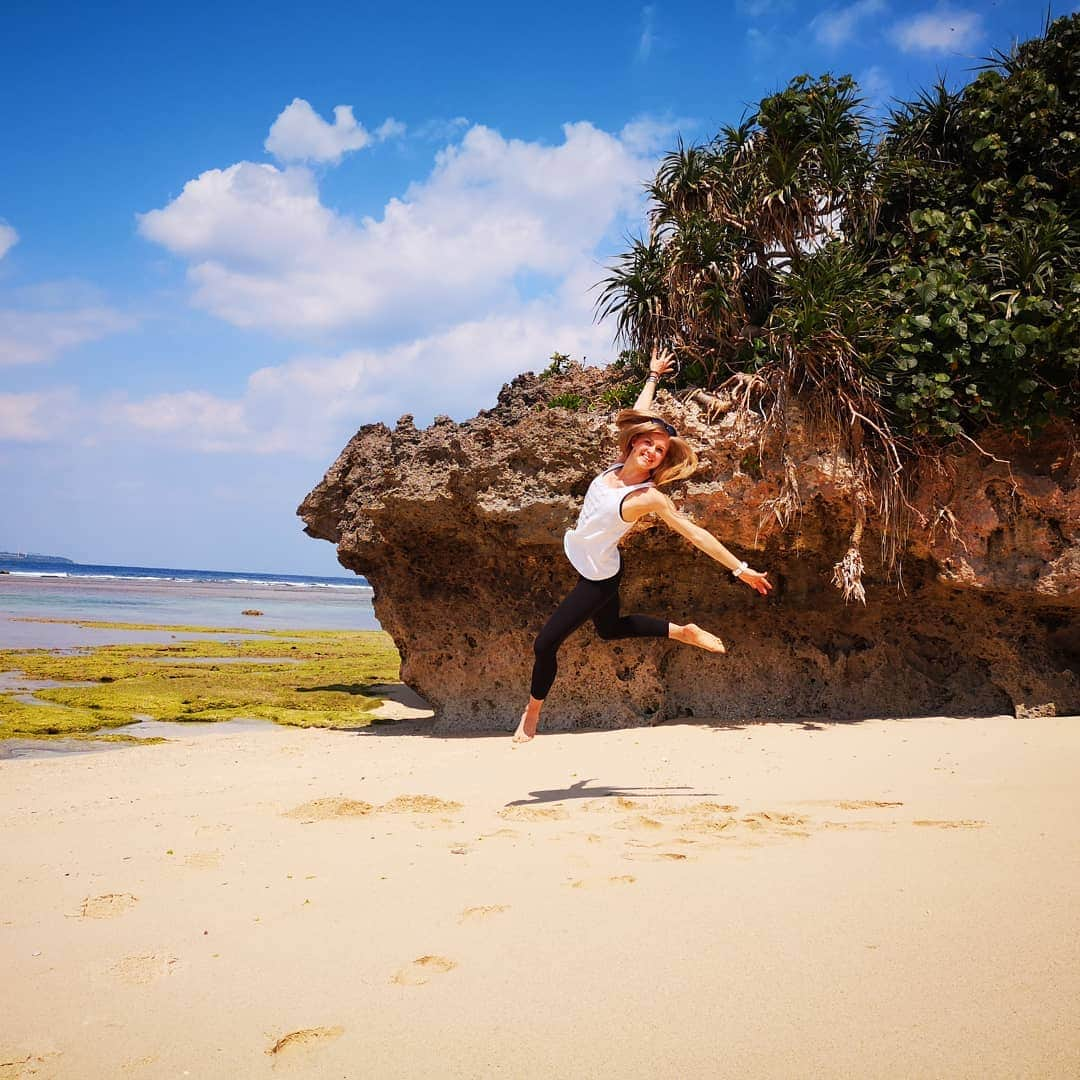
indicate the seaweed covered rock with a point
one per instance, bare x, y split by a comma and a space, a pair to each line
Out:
459, 527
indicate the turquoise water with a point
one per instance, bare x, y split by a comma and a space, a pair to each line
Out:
210, 602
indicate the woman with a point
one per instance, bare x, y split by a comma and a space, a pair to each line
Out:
650, 454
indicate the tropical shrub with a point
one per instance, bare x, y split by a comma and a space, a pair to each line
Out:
908, 286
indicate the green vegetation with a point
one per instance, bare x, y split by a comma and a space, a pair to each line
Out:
906, 286
321, 679
567, 401
560, 365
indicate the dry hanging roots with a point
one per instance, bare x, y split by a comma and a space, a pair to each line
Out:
847, 576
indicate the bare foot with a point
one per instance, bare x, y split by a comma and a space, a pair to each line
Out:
694, 635
526, 729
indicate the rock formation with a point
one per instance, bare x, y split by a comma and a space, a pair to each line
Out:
459, 527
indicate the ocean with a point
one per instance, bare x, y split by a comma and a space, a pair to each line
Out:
46, 589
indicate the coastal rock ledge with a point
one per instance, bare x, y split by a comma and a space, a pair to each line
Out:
458, 528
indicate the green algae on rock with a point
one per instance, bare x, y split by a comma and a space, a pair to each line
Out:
324, 679
20, 719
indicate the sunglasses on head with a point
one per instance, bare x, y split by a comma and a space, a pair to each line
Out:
666, 426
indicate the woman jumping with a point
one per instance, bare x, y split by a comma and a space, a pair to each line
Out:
650, 454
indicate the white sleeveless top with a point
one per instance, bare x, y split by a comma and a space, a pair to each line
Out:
592, 546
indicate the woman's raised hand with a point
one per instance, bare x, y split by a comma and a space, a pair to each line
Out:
661, 361
756, 580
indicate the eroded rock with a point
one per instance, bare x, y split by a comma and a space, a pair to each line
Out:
459, 527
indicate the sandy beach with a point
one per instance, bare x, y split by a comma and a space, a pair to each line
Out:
893, 898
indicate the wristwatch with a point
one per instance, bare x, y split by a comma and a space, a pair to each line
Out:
737, 572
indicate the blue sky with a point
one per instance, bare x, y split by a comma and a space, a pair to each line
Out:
232, 233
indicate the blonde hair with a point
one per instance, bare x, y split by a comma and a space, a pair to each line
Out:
679, 462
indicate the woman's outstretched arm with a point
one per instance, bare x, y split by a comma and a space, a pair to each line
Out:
659, 364
653, 501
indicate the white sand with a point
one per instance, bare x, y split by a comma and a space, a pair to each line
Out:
580, 915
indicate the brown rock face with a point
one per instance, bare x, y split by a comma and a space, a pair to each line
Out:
459, 530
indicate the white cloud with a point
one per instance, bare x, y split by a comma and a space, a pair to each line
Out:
33, 337
755, 9
438, 273
309, 406
837, 26
8, 238
35, 417
648, 33
194, 418
942, 31
648, 134
758, 43
265, 251
300, 134
390, 129
441, 130
876, 88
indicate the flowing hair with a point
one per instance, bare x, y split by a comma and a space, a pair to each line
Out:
679, 462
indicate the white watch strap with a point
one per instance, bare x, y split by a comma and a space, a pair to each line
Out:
737, 572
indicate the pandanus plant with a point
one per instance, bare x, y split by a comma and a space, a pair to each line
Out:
754, 274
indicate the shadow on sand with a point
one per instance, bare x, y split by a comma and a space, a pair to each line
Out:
581, 791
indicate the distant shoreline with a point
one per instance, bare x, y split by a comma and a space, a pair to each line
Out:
54, 566
31, 556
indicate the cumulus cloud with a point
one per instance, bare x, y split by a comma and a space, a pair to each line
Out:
837, 26
8, 238
390, 129
309, 406
196, 419
474, 273
300, 134
35, 417
265, 251
944, 30
33, 337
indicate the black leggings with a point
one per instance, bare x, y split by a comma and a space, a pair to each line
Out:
596, 600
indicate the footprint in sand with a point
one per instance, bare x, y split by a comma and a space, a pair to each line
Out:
771, 817
135, 1064
218, 827
963, 824
857, 825
864, 804
533, 813
304, 1037
640, 822
616, 879
711, 808
718, 826
203, 860
107, 906
776, 824
655, 856
624, 803
327, 809
653, 845
420, 970
419, 804
474, 914
506, 834
141, 969
17, 1066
